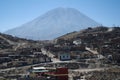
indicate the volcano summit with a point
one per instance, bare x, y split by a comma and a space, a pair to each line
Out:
53, 24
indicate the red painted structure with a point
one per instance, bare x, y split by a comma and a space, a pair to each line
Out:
58, 73
62, 73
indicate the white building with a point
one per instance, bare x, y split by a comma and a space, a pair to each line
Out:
64, 56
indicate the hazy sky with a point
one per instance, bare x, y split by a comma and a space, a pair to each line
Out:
14, 13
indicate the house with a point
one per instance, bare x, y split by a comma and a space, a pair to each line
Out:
41, 57
50, 73
77, 42
64, 56
39, 70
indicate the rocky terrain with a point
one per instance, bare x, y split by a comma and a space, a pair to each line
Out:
102, 39
86, 53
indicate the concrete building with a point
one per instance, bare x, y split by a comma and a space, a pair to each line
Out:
64, 56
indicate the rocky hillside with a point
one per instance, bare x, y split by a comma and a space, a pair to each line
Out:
106, 40
95, 31
13, 43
